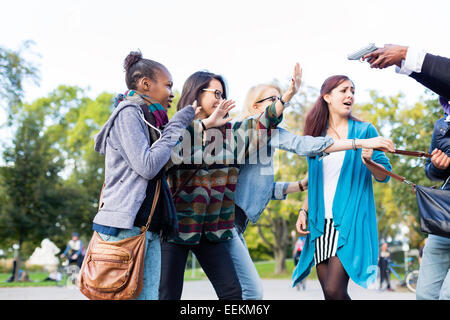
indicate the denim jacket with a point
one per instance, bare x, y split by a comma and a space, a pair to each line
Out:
256, 187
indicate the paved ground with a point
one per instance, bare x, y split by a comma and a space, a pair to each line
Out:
202, 290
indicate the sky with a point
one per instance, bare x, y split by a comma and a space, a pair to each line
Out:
84, 43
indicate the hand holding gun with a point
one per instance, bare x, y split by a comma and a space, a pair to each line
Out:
359, 54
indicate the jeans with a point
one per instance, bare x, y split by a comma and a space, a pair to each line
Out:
434, 272
249, 279
213, 257
152, 260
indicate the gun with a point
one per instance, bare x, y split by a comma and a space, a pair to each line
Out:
357, 55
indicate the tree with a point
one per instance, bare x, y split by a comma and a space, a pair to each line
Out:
31, 184
74, 133
53, 176
410, 128
14, 70
70, 121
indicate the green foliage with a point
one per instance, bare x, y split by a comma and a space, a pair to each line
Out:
30, 181
14, 70
36, 280
410, 128
173, 108
53, 175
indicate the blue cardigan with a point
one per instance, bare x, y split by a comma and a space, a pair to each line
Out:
353, 212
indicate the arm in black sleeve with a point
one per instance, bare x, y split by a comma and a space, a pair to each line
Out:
435, 74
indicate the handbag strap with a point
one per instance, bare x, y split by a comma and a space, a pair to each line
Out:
410, 153
445, 183
377, 168
155, 201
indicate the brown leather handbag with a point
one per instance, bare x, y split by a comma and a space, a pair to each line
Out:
114, 270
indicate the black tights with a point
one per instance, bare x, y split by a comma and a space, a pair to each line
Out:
333, 279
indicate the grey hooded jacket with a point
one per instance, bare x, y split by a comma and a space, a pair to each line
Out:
130, 161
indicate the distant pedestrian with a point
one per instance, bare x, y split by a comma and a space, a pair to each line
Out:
383, 263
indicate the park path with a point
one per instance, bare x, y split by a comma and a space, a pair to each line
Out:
203, 290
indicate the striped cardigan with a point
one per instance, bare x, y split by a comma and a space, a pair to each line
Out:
206, 203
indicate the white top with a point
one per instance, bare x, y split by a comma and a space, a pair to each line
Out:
332, 165
413, 61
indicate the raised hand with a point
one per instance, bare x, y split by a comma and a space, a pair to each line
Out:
220, 115
295, 83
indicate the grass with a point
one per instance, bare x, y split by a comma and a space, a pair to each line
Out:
36, 280
265, 269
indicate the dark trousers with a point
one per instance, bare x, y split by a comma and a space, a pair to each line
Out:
213, 257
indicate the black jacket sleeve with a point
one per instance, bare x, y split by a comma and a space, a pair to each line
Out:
435, 74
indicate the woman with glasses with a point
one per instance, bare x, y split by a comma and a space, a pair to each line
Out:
342, 240
205, 204
251, 204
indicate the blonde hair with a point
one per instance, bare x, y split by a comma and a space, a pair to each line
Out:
253, 95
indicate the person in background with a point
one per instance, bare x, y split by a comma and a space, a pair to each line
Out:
297, 251
422, 245
383, 264
74, 250
298, 247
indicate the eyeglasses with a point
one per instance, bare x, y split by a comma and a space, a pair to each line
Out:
217, 93
272, 99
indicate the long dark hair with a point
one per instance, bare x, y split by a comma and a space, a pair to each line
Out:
317, 118
194, 85
136, 67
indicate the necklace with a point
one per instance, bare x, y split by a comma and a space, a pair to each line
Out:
335, 132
